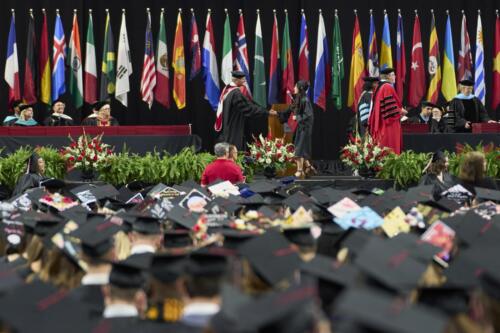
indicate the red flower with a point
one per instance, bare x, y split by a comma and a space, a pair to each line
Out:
90, 146
109, 151
290, 149
73, 145
196, 228
80, 158
258, 155
95, 158
99, 149
71, 159
278, 155
279, 145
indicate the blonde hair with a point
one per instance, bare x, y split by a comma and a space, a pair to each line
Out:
472, 167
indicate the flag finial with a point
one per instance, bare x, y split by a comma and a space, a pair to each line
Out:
240, 11
274, 11
43, 10
336, 11
385, 12
209, 10
123, 10
57, 11
258, 11
302, 11
225, 10
432, 11
191, 9
463, 12
107, 11
399, 11
74, 11
147, 10
180, 10
371, 11
447, 12
416, 12
320, 11
90, 10
12, 10
31, 11
355, 12
479, 11
286, 11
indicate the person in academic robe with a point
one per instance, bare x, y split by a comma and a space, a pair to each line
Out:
10, 120
90, 120
25, 116
104, 118
436, 174
35, 170
58, 118
424, 116
384, 122
437, 122
365, 103
468, 108
233, 110
302, 112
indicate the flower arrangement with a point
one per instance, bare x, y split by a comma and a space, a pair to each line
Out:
364, 154
86, 153
267, 153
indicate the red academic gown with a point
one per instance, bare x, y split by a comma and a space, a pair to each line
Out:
385, 119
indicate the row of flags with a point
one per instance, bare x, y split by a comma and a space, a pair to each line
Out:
45, 80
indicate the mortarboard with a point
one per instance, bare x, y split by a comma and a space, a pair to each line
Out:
168, 267
53, 184
105, 191
330, 270
233, 238
146, 225
371, 79
126, 275
450, 300
300, 236
328, 195
23, 107
177, 238
97, 237
271, 256
183, 217
473, 229
98, 105
264, 186
428, 104
207, 261
466, 83
387, 70
195, 201
487, 194
299, 199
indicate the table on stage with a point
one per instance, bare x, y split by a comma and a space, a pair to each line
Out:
417, 138
136, 139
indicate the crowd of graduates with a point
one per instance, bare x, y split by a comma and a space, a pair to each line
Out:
268, 256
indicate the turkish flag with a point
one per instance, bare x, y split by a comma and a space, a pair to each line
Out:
416, 86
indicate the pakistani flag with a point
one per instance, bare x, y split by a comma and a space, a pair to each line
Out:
259, 75
75, 63
337, 65
227, 53
108, 70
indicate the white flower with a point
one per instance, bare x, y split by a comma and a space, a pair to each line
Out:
268, 160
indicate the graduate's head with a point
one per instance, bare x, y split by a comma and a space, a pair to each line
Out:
426, 109
36, 164
301, 87
370, 83
466, 87
238, 78
15, 106
58, 106
105, 111
437, 113
473, 167
26, 111
388, 74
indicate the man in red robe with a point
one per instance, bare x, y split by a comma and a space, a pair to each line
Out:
385, 119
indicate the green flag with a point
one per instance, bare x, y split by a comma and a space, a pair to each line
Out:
108, 69
259, 71
337, 65
75, 61
227, 53
288, 79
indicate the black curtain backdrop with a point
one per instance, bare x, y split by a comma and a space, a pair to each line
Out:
330, 126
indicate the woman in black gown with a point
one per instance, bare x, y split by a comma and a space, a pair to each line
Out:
34, 174
437, 174
302, 111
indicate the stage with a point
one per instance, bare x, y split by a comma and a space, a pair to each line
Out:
425, 143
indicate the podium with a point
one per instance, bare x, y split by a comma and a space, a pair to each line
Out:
277, 130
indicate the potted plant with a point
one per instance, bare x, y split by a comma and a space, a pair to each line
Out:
364, 155
86, 154
270, 155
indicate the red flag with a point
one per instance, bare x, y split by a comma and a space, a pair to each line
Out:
464, 55
416, 86
29, 91
274, 66
495, 101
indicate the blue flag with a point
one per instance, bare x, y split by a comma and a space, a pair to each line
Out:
59, 51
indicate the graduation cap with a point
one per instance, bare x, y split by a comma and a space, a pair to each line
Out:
237, 74
443, 204
146, 225
421, 251
97, 237
299, 199
264, 186
328, 195
233, 239
395, 268
42, 224
98, 105
271, 256
127, 276
183, 217
328, 269
355, 239
377, 203
224, 205
9, 277
490, 284
487, 194
371, 79
177, 238
53, 184
300, 236
473, 229
387, 71
128, 196
167, 267
428, 104
105, 191
23, 107
450, 300
466, 83
57, 100
383, 313
209, 261
195, 201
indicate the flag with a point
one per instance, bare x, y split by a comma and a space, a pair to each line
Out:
227, 53
303, 50
90, 64
75, 63
274, 70
449, 86
357, 71
495, 101
44, 63
241, 61
322, 71
148, 76
434, 67
373, 65
162, 88
59, 54
337, 64
464, 55
178, 64
259, 71
11, 74
416, 85
29, 90
479, 84
123, 64
210, 70
288, 81
400, 58
108, 71
385, 48
194, 47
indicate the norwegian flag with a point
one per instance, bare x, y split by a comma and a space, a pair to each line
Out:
241, 60
148, 78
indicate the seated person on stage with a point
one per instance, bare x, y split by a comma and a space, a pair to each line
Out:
437, 123
58, 118
472, 172
103, 118
223, 168
425, 114
26, 116
35, 169
10, 120
468, 108
365, 103
90, 119
437, 173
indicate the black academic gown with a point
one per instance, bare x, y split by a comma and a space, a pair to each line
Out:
27, 181
56, 120
440, 126
94, 122
418, 119
89, 121
302, 138
466, 110
92, 296
439, 186
236, 109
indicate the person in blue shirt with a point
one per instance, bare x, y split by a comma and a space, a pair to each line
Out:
10, 120
26, 116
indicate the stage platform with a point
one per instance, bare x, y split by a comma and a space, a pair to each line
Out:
135, 139
341, 182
